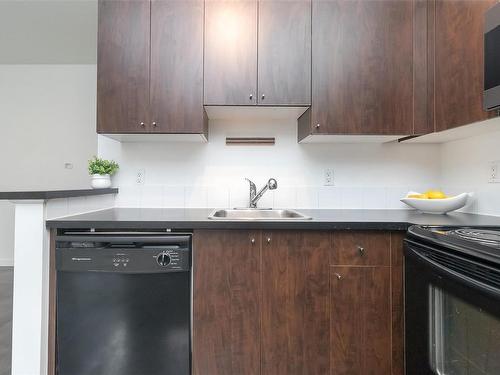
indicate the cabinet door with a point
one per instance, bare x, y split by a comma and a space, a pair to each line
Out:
230, 52
177, 67
295, 315
123, 66
362, 67
226, 302
284, 52
360, 320
458, 70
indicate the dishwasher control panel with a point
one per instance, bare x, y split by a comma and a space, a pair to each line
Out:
172, 259
124, 260
117, 252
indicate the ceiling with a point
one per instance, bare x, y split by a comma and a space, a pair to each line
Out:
48, 32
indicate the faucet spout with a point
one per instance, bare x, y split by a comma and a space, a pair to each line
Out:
272, 184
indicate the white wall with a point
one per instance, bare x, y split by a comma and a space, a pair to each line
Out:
48, 31
465, 167
47, 119
212, 174
47, 112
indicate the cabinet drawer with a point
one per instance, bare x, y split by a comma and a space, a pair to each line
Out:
353, 248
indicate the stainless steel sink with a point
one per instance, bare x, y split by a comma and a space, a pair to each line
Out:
256, 214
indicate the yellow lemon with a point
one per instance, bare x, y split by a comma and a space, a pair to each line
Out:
435, 194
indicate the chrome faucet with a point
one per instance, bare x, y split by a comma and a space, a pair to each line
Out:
254, 197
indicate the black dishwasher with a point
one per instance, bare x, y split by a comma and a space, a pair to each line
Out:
123, 303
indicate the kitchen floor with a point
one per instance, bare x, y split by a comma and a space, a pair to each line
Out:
6, 284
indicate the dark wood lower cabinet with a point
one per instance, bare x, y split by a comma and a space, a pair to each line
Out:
277, 302
295, 318
227, 303
360, 320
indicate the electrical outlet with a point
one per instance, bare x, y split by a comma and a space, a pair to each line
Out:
494, 172
328, 177
140, 177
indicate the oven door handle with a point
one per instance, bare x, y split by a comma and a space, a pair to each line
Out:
440, 268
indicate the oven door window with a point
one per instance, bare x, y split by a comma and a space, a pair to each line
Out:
464, 339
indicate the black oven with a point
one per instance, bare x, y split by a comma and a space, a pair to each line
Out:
452, 303
492, 58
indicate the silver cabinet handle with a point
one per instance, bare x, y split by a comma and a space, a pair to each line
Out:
250, 96
154, 124
268, 239
361, 250
263, 96
338, 276
252, 240
317, 126
142, 124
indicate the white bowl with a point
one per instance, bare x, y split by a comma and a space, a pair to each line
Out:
437, 206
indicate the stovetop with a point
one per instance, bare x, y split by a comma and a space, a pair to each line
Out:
476, 242
485, 237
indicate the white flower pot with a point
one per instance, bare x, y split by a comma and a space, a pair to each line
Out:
100, 181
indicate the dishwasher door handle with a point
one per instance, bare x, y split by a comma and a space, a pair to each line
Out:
126, 239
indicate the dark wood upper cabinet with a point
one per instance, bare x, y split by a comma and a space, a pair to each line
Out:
382, 68
363, 67
230, 52
150, 67
284, 56
123, 66
257, 52
456, 62
177, 67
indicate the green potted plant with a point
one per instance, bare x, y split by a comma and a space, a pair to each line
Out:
101, 171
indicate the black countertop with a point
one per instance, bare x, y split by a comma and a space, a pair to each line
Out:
54, 194
194, 218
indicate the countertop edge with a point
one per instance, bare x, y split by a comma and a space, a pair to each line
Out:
54, 194
193, 224
323, 219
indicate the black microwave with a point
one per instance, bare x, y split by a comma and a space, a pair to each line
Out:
491, 99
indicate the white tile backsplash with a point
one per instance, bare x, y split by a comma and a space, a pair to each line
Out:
99, 202
329, 197
311, 197
351, 197
298, 168
173, 196
77, 204
238, 197
151, 196
393, 196
307, 197
374, 198
130, 196
56, 208
217, 197
285, 197
195, 196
